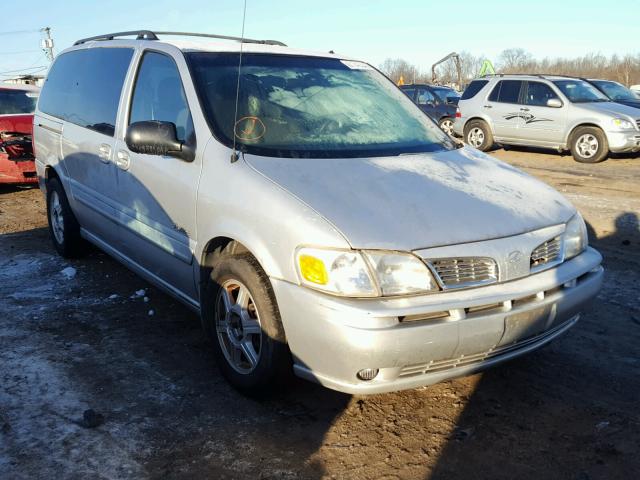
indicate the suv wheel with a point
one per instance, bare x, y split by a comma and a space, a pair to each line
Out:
478, 134
244, 324
589, 145
64, 229
446, 124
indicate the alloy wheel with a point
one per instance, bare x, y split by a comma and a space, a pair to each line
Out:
587, 145
238, 326
475, 138
56, 217
447, 127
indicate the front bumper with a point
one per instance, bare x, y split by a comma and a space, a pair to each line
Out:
624, 141
332, 338
23, 171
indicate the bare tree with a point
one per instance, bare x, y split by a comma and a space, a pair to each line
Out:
625, 69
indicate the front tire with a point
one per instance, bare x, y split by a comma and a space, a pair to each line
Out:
64, 228
243, 322
478, 134
589, 145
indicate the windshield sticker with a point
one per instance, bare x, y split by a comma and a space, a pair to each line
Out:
356, 65
249, 129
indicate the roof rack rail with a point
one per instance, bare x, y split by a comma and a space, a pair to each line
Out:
225, 37
140, 35
149, 35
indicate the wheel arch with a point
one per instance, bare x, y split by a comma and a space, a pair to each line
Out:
567, 140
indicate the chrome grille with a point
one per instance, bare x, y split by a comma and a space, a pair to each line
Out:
465, 272
547, 253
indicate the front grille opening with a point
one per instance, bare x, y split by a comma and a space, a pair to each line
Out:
546, 253
524, 300
424, 317
484, 308
465, 272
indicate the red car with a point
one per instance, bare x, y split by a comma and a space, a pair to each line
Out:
17, 104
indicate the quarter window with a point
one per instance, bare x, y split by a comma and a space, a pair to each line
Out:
84, 87
506, 91
538, 94
159, 95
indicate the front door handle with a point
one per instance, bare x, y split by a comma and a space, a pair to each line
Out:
487, 106
122, 160
104, 152
524, 109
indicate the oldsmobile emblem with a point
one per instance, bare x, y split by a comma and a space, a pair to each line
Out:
515, 256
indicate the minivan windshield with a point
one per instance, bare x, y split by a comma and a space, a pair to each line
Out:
614, 90
309, 107
17, 101
579, 91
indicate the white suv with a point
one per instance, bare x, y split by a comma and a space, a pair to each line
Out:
558, 112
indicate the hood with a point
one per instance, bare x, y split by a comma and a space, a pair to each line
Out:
419, 201
630, 103
22, 123
610, 108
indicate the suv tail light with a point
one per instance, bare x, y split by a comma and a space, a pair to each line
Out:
458, 113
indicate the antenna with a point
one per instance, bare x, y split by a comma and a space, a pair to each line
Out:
234, 153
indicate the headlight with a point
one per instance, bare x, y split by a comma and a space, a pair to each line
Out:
400, 274
622, 124
363, 274
575, 237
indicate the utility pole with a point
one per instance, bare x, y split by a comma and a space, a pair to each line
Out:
47, 43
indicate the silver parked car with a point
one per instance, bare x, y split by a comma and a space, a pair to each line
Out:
307, 209
558, 112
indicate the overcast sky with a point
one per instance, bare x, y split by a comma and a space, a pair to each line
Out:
420, 31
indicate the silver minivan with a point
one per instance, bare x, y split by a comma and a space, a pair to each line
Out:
316, 219
558, 112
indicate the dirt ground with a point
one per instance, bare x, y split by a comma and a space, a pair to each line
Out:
84, 339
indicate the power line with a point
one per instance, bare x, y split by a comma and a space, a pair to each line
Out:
18, 32
39, 67
16, 53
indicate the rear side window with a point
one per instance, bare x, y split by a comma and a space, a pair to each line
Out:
84, 86
506, 91
473, 88
538, 94
425, 97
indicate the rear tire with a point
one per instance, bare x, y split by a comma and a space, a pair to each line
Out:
242, 319
589, 145
478, 135
64, 228
446, 125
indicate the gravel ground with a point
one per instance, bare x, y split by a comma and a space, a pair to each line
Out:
78, 336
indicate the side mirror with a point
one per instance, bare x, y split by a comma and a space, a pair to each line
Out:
554, 103
154, 137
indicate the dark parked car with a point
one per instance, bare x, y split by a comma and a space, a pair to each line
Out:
616, 92
440, 103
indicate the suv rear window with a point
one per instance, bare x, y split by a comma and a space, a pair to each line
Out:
473, 88
84, 86
506, 91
